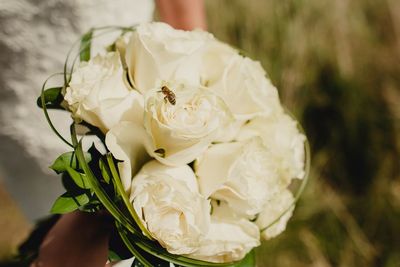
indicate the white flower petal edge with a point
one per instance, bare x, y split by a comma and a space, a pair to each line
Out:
126, 141
182, 131
99, 95
242, 84
241, 173
281, 136
229, 238
169, 204
240, 81
121, 44
216, 58
275, 207
158, 52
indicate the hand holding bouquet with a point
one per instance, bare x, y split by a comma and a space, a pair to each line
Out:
196, 154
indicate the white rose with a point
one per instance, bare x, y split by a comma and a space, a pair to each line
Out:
216, 58
169, 204
99, 95
241, 173
126, 141
180, 132
229, 238
280, 205
159, 52
243, 86
283, 139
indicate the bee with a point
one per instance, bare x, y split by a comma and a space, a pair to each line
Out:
169, 95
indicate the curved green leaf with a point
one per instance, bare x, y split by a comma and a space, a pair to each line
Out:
67, 203
46, 114
80, 179
67, 160
85, 46
70, 185
52, 98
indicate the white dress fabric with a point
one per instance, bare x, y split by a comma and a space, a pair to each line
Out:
35, 36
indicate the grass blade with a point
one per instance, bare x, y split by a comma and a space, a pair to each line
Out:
124, 196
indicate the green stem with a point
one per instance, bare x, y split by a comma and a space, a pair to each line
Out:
98, 190
122, 192
161, 253
46, 114
142, 242
131, 247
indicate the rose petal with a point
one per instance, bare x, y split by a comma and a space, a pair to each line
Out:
126, 142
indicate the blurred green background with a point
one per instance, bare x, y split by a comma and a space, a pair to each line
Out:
337, 67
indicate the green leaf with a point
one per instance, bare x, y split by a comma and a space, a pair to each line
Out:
105, 171
84, 54
79, 178
70, 185
113, 256
52, 98
67, 160
63, 161
99, 191
67, 203
93, 206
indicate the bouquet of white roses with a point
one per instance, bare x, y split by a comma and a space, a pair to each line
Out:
196, 154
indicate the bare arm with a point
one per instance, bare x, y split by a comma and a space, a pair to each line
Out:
183, 14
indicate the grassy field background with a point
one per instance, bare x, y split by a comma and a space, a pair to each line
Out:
337, 67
